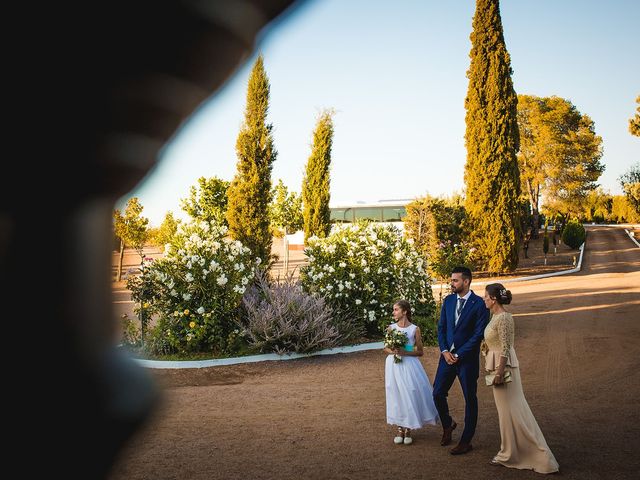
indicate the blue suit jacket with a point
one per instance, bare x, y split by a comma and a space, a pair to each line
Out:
468, 334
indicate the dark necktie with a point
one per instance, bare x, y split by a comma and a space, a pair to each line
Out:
460, 305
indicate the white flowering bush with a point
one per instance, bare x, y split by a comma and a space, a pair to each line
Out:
362, 269
195, 291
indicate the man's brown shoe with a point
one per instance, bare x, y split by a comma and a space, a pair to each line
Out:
461, 448
446, 434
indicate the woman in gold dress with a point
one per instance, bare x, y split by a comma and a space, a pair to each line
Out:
522, 444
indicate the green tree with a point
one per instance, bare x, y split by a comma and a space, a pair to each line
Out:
574, 163
316, 182
207, 201
250, 190
533, 155
435, 226
419, 224
597, 206
167, 230
545, 241
492, 177
131, 228
559, 154
630, 183
622, 211
526, 217
286, 209
634, 123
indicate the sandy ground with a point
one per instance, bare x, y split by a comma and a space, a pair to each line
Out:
578, 340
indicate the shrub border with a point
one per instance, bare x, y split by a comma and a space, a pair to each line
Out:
176, 364
217, 362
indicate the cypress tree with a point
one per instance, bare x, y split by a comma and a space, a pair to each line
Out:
492, 178
250, 191
315, 185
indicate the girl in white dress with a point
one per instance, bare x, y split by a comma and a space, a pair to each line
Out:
409, 392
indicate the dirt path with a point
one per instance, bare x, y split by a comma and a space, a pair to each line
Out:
578, 340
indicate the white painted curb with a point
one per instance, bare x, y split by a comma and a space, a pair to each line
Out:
254, 358
577, 268
619, 225
633, 239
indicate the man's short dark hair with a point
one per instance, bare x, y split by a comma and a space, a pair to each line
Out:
466, 273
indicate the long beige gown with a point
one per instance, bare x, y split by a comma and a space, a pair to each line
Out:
522, 443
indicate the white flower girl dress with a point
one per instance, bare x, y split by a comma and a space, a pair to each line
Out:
408, 389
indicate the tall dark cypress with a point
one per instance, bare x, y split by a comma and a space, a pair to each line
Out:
250, 191
492, 178
315, 185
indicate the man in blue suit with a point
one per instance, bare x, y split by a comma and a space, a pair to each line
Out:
460, 331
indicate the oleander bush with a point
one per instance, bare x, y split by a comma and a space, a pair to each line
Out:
362, 269
194, 293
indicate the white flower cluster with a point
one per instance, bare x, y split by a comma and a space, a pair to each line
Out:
365, 268
210, 256
201, 279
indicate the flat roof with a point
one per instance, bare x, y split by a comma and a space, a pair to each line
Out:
380, 203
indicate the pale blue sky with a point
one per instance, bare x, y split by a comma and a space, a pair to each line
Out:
395, 72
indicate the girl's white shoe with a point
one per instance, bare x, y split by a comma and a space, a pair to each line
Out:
407, 437
400, 437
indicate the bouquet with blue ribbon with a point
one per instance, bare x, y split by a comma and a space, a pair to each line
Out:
395, 339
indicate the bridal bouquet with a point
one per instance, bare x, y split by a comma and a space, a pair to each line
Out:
395, 339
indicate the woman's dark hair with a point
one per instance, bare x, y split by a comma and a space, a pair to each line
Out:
405, 306
501, 294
